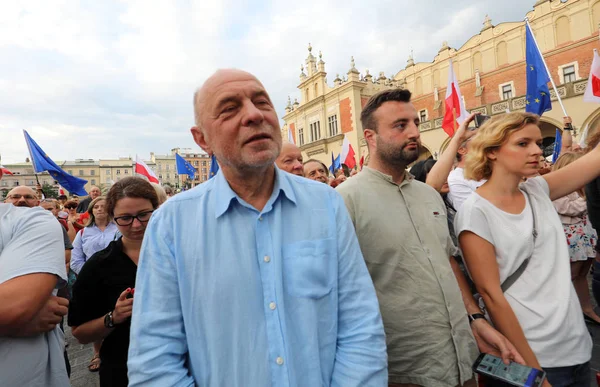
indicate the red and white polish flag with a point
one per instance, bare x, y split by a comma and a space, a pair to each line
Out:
592, 91
455, 107
5, 171
143, 169
347, 154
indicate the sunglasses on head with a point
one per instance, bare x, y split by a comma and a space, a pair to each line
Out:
70, 207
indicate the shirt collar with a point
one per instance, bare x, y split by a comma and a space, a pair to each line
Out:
225, 194
408, 177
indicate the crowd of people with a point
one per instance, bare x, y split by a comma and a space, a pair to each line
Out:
263, 276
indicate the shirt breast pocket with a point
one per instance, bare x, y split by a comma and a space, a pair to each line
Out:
307, 270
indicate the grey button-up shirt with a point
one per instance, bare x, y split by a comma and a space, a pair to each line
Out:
403, 234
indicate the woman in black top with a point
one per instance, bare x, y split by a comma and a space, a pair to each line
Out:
102, 299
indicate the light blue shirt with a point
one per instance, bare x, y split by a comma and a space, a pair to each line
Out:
230, 296
89, 241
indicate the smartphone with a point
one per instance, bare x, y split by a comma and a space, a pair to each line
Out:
130, 294
513, 374
480, 119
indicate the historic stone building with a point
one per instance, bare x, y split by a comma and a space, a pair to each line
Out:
490, 68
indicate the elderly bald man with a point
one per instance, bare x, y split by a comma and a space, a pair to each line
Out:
85, 203
22, 196
254, 278
290, 159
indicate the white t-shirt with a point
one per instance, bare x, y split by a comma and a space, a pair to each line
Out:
543, 298
31, 241
460, 188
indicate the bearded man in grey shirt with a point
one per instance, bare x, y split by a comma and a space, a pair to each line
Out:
432, 324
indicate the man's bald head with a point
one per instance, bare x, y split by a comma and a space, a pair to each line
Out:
95, 192
22, 196
290, 159
237, 122
204, 92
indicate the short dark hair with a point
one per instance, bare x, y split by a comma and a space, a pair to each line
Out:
366, 117
130, 187
317, 161
421, 169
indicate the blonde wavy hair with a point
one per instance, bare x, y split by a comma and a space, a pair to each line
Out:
491, 136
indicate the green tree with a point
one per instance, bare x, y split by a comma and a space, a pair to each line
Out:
50, 191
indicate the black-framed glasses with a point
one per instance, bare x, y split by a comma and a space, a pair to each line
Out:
70, 207
127, 220
19, 196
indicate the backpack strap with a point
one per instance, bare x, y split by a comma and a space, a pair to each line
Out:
508, 282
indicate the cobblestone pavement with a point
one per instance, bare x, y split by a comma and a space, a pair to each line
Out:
79, 357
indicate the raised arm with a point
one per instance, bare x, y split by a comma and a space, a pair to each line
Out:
361, 357
158, 345
567, 137
574, 176
480, 257
442, 168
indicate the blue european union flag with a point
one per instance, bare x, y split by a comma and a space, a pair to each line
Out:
214, 166
538, 95
184, 167
335, 163
41, 162
557, 146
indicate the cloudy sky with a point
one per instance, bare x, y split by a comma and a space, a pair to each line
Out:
103, 79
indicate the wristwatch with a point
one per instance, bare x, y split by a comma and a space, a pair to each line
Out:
475, 316
108, 320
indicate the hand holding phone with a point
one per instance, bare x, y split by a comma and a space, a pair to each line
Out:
513, 374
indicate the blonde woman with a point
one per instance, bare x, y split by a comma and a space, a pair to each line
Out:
581, 239
509, 230
98, 232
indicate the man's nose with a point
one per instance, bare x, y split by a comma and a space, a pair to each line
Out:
251, 114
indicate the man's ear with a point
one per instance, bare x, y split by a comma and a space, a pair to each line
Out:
370, 138
200, 139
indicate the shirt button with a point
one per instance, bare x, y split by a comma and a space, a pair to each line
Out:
272, 305
279, 360
267, 259
260, 218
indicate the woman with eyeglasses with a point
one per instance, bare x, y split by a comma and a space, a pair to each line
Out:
102, 299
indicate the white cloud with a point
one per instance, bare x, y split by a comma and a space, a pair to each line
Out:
115, 78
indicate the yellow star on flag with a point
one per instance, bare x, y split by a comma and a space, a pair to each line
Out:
527, 102
537, 100
542, 93
531, 68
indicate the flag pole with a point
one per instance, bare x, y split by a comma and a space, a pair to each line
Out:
33, 163
547, 69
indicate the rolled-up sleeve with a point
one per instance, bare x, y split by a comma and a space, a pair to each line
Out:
361, 358
158, 347
77, 254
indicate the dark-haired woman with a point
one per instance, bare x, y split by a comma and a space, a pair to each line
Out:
103, 293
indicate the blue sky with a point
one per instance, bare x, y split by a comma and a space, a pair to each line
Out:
103, 79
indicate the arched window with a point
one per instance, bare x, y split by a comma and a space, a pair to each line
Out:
501, 54
477, 62
563, 30
418, 86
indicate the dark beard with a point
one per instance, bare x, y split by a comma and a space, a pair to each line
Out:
393, 156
